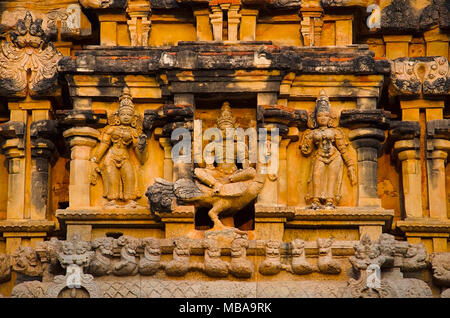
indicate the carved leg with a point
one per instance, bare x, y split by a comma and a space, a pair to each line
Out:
213, 214
334, 181
318, 179
129, 181
111, 182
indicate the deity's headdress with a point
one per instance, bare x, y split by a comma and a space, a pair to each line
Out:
322, 103
125, 100
226, 118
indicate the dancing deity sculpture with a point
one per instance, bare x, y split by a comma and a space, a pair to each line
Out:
329, 146
123, 133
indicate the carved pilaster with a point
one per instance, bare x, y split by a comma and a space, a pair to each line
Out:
14, 150
81, 141
234, 19
216, 20
367, 133
311, 25
438, 148
43, 152
139, 24
407, 150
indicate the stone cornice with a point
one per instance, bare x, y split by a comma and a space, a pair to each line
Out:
354, 59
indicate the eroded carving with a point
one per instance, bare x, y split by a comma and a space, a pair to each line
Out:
272, 264
325, 178
33, 289
179, 265
240, 266
5, 268
413, 76
299, 264
25, 261
149, 263
28, 61
214, 266
128, 264
325, 262
101, 264
117, 170
440, 263
415, 258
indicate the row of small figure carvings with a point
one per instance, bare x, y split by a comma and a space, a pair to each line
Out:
101, 257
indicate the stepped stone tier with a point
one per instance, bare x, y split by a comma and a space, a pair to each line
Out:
224, 148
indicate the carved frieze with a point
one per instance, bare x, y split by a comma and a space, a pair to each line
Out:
28, 60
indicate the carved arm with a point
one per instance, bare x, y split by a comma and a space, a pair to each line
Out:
307, 143
342, 146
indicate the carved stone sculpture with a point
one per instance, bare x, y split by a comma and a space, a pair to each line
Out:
240, 266
75, 256
179, 265
33, 289
28, 61
440, 263
149, 263
5, 268
325, 178
101, 264
414, 76
25, 261
48, 254
75, 251
117, 170
325, 262
214, 266
366, 253
128, 264
272, 264
415, 258
299, 264
223, 188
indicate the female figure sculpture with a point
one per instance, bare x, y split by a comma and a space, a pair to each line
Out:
325, 178
118, 172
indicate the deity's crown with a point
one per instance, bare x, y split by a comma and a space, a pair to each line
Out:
322, 103
125, 100
226, 118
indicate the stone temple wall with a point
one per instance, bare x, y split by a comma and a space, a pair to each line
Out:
111, 183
